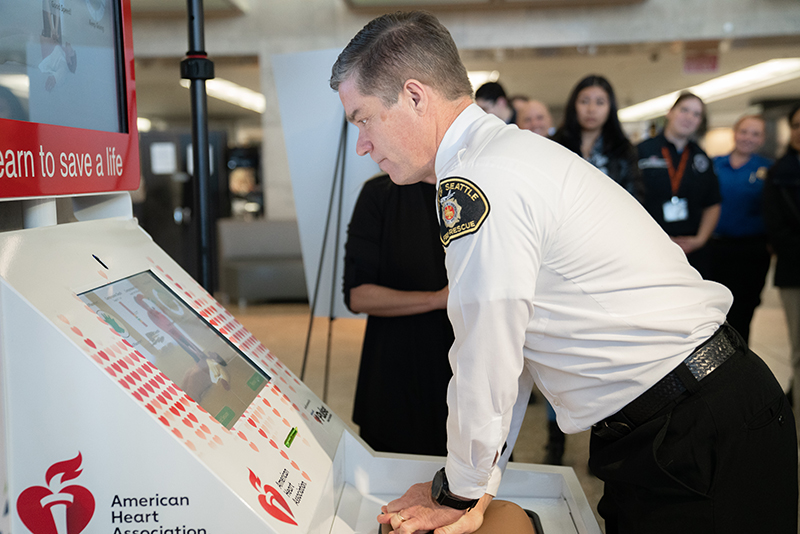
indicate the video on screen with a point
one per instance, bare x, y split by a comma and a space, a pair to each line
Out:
180, 343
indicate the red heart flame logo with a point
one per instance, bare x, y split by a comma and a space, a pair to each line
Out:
276, 506
273, 502
42, 510
39, 519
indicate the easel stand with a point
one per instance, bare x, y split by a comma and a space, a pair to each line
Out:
338, 179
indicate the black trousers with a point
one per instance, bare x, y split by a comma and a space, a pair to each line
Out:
741, 264
722, 460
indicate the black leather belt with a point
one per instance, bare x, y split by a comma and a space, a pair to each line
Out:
686, 377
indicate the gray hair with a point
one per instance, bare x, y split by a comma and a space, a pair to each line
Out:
394, 48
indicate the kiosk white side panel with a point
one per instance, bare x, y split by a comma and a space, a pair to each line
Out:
71, 434
43, 270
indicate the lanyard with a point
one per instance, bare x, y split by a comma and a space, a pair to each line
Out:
675, 177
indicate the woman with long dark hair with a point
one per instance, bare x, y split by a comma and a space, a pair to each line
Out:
592, 130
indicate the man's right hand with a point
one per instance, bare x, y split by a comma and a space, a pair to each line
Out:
416, 511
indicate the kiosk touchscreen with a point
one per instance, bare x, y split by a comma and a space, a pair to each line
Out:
180, 343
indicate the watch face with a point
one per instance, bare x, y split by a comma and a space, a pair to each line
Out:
436, 486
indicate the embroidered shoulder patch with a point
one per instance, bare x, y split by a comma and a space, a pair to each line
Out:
462, 208
701, 163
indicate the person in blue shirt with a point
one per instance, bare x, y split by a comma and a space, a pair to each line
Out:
739, 254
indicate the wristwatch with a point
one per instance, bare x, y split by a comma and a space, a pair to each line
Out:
440, 491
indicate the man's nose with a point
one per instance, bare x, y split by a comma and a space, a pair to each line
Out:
363, 146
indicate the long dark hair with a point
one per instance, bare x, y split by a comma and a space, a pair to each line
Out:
615, 142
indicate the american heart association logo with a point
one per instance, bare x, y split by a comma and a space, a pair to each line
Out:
58, 508
272, 501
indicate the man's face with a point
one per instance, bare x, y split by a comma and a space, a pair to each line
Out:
489, 106
499, 107
535, 117
397, 138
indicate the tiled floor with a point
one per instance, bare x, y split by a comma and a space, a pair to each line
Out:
283, 329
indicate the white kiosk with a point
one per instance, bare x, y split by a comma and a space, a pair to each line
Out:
133, 402
106, 346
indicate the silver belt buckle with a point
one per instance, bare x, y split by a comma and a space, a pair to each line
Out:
703, 362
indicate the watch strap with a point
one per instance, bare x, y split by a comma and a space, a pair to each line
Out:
445, 498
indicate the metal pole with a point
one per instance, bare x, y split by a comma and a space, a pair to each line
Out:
197, 68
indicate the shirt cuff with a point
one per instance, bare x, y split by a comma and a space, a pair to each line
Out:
468, 483
494, 481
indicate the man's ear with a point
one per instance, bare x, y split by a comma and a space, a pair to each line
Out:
418, 94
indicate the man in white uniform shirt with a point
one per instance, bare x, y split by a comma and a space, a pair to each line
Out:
558, 276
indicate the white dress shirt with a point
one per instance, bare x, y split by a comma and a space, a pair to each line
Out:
568, 281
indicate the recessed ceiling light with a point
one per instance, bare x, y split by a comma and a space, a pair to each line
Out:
143, 124
749, 79
480, 77
243, 97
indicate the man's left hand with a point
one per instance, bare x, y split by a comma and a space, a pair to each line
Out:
417, 511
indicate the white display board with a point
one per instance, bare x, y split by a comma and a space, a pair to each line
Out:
312, 118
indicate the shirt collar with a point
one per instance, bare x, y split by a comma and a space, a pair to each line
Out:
754, 162
726, 161
454, 138
689, 144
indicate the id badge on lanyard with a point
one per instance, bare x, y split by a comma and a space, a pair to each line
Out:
676, 209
